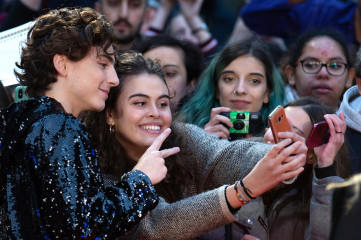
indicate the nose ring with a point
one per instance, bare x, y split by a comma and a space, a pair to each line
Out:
235, 92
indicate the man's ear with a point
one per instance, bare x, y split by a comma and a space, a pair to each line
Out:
290, 74
59, 62
358, 81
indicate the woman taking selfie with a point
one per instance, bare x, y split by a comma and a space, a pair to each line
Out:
203, 188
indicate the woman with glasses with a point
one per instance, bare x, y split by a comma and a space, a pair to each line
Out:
242, 77
319, 66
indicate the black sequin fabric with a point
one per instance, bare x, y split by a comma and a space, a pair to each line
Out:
50, 182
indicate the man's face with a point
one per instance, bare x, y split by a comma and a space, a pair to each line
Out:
126, 16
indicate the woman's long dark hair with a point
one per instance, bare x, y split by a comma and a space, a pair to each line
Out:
112, 155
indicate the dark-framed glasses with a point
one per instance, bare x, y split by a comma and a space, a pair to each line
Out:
333, 68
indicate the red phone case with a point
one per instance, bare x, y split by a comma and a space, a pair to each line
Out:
319, 135
278, 122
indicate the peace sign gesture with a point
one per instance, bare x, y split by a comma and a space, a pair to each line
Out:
152, 161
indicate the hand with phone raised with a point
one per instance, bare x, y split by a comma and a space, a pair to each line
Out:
152, 162
326, 153
284, 161
281, 130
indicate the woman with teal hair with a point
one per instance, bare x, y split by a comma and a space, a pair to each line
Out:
242, 77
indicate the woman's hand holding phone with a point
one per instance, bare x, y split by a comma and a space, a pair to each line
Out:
326, 153
284, 161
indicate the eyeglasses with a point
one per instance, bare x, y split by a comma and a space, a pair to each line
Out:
333, 68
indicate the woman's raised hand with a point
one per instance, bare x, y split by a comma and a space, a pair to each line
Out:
152, 162
326, 153
284, 161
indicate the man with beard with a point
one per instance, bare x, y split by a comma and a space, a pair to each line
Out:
127, 17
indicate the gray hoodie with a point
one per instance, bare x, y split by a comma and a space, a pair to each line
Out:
351, 108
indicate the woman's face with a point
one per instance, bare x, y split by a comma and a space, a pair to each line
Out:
142, 112
242, 85
321, 85
172, 61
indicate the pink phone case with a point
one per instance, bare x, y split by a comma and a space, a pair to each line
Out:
319, 135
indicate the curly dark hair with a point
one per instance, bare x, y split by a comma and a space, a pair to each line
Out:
67, 31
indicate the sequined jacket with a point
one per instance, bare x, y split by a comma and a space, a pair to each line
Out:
50, 182
212, 164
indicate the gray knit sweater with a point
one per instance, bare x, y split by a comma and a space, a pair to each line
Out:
213, 163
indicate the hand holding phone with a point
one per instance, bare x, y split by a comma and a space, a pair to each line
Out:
278, 122
319, 135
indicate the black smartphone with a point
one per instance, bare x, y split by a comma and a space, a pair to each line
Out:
20, 94
244, 123
278, 122
320, 134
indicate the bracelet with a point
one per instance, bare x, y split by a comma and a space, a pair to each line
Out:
239, 196
246, 190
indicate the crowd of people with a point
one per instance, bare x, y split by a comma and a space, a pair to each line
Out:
140, 123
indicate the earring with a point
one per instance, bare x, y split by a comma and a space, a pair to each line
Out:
235, 92
111, 129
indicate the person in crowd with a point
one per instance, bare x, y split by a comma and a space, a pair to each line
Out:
351, 107
50, 182
302, 210
289, 19
201, 190
22, 11
320, 66
346, 209
186, 25
127, 17
182, 64
242, 77
5, 97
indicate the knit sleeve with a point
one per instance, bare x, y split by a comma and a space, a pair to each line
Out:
214, 161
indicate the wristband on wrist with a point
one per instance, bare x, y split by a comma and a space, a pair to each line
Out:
246, 190
243, 200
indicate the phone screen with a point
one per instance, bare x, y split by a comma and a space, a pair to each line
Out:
319, 135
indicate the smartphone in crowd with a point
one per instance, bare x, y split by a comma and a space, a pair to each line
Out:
278, 122
320, 134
